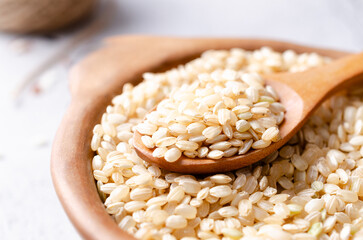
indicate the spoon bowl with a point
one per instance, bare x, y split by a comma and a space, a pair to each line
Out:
300, 93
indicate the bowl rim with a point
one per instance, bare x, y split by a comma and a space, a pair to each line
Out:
93, 83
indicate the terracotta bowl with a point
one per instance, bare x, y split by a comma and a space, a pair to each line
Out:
93, 83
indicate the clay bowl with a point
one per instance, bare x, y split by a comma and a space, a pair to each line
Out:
93, 83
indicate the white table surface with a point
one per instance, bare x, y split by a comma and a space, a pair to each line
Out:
29, 208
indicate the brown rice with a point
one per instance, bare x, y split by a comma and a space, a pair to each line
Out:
312, 188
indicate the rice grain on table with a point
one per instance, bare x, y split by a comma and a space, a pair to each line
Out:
312, 188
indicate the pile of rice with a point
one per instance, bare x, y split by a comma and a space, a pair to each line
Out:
312, 188
220, 114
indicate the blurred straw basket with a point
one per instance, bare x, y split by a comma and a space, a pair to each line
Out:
42, 16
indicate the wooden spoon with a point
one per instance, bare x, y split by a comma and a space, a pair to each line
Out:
301, 93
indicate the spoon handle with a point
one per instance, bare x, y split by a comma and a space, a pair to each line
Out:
315, 85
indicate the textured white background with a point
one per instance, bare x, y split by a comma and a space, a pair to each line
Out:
29, 208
